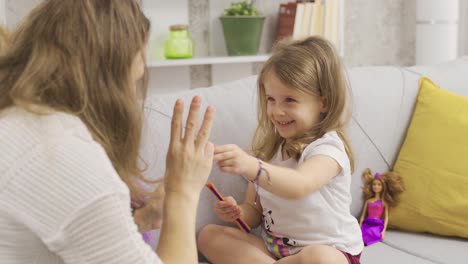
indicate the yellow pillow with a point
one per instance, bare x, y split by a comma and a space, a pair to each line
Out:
433, 163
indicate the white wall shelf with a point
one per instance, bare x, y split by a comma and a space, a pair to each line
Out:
208, 60
177, 75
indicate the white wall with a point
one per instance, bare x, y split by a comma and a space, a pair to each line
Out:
377, 32
463, 27
17, 10
2, 12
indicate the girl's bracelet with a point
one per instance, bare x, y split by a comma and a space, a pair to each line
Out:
257, 177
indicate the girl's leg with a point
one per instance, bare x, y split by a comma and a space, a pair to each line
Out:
316, 255
221, 244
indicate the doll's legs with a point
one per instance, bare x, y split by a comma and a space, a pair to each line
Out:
316, 255
221, 244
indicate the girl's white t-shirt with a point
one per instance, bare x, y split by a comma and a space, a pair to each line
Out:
322, 217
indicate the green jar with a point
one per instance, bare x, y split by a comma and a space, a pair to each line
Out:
178, 45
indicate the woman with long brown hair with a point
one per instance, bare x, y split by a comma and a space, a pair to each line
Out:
70, 125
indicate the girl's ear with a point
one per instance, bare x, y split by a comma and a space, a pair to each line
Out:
323, 104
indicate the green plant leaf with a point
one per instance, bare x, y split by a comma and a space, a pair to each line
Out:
241, 8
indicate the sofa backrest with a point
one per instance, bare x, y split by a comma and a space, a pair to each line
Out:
235, 121
383, 102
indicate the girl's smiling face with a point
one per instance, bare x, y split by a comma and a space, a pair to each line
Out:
293, 113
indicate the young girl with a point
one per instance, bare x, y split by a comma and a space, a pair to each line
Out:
300, 170
381, 191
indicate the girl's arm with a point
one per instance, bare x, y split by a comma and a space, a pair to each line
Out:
284, 182
364, 213
251, 213
296, 184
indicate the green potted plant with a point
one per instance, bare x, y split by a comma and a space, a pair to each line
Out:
242, 27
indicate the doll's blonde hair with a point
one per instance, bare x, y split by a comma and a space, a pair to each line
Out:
312, 66
76, 57
392, 186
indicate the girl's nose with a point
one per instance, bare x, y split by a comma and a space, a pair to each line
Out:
278, 110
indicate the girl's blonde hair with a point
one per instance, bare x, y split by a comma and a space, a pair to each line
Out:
76, 57
313, 67
392, 186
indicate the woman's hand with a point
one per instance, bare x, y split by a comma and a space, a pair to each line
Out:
232, 159
189, 158
188, 164
227, 210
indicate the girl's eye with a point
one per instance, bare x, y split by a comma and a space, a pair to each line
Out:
270, 99
290, 100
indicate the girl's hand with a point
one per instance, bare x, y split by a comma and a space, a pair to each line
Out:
227, 210
232, 159
189, 158
149, 215
383, 235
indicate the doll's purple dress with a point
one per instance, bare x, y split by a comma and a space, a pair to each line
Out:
373, 225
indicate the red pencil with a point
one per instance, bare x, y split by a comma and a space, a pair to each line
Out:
239, 221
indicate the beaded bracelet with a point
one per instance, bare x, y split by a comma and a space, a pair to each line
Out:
257, 177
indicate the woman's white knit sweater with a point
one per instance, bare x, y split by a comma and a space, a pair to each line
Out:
61, 201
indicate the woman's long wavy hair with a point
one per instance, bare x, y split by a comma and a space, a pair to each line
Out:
4, 38
76, 56
312, 66
392, 186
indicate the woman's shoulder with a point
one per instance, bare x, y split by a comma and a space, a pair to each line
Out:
54, 151
27, 135
42, 125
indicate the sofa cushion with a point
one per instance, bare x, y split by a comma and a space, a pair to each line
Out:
381, 253
432, 165
446, 75
372, 129
435, 248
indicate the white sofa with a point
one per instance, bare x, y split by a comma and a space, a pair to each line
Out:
383, 97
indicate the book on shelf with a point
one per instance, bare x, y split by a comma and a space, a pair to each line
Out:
298, 20
301, 19
304, 28
286, 18
331, 21
317, 19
